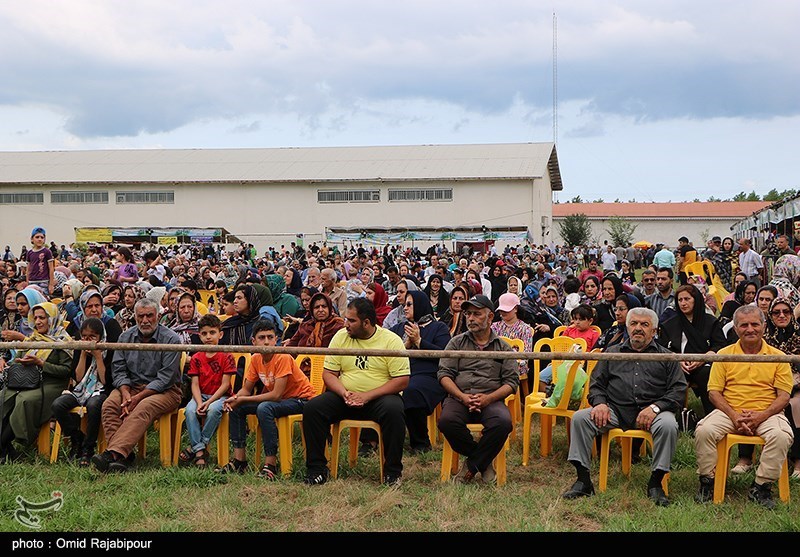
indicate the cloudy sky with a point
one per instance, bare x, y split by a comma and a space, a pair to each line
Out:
658, 100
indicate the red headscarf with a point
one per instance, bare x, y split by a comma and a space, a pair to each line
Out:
380, 301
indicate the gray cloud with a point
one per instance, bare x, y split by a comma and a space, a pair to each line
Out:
121, 73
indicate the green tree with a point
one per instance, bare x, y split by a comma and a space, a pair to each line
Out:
576, 199
621, 230
575, 229
598, 200
772, 195
713, 199
753, 196
741, 196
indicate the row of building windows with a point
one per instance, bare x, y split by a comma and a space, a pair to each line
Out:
167, 197
84, 197
374, 196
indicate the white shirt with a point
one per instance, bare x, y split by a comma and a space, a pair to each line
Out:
609, 261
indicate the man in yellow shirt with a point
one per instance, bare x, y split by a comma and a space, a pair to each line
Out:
749, 398
359, 387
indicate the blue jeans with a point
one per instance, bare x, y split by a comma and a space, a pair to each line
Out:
267, 412
546, 375
200, 438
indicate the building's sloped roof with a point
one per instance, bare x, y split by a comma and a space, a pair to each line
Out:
708, 209
512, 161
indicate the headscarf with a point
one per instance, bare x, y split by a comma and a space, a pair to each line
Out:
786, 278
60, 280
423, 311
75, 287
264, 296
34, 297
520, 286
499, 283
236, 328
185, 329
157, 294
90, 384
315, 333
412, 286
276, 285
9, 318
476, 286
443, 300
786, 339
457, 322
56, 331
126, 317
697, 343
296, 284
380, 301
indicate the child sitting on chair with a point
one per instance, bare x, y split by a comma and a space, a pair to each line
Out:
210, 373
286, 390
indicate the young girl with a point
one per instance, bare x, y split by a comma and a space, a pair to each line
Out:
126, 271
91, 368
41, 264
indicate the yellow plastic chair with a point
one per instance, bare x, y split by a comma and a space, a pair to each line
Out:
433, 428
533, 402
43, 440
355, 427
625, 438
56, 447
724, 458
559, 330
286, 423
450, 459
206, 296
223, 435
516, 409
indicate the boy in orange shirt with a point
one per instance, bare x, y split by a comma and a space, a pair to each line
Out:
285, 391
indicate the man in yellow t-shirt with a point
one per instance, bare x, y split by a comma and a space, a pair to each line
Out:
359, 387
749, 398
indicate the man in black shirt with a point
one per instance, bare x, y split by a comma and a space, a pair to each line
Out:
631, 394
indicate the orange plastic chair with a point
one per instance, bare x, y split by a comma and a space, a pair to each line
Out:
80, 411
626, 438
286, 423
355, 427
724, 458
533, 402
450, 457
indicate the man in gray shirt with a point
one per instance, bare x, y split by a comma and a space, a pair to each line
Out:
631, 394
477, 390
146, 386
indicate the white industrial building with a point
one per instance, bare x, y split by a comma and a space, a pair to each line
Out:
268, 196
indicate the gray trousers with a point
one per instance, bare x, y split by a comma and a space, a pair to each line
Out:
583, 431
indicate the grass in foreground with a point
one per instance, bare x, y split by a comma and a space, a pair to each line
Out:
152, 499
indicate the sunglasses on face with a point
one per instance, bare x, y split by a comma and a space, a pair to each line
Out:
779, 312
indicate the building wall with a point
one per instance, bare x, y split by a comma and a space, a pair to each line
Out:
272, 214
662, 231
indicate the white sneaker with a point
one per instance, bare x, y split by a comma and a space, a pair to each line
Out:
741, 468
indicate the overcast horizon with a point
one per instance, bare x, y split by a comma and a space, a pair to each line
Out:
657, 101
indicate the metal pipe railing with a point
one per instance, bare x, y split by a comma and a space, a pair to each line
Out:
297, 350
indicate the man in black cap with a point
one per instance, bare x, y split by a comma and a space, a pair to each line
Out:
477, 389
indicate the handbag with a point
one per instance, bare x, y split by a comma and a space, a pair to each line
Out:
23, 377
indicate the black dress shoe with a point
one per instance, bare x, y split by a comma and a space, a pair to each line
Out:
658, 496
579, 489
118, 466
102, 460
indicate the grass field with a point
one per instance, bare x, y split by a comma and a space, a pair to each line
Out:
153, 499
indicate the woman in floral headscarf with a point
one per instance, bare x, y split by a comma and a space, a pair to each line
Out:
186, 318
319, 330
24, 412
125, 317
786, 278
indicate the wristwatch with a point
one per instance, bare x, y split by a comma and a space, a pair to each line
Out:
655, 408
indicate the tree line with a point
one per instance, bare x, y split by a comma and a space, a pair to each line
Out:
771, 195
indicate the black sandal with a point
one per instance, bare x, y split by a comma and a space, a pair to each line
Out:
201, 458
233, 467
187, 456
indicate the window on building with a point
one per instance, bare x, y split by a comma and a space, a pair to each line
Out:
445, 194
79, 197
348, 196
124, 197
21, 198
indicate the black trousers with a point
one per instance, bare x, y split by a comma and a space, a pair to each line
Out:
328, 408
71, 423
417, 424
496, 421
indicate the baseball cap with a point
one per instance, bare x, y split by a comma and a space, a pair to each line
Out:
716, 240
683, 239
507, 302
479, 301
38, 230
